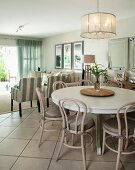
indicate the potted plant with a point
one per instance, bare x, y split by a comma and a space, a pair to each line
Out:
97, 70
3, 75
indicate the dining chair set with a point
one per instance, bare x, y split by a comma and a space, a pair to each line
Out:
80, 123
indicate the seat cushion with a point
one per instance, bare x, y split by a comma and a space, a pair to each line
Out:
88, 123
53, 112
112, 125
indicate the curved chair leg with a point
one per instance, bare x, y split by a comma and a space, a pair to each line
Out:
38, 104
20, 110
31, 103
61, 142
11, 104
103, 144
120, 146
83, 152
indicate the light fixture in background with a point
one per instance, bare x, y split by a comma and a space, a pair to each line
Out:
98, 25
21, 27
86, 64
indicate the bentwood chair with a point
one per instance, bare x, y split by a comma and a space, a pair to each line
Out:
122, 129
26, 91
47, 114
59, 85
85, 82
80, 123
114, 83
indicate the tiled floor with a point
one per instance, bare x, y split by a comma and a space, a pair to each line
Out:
19, 148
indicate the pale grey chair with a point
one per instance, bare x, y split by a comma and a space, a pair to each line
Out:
59, 85
122, 129
80, 123
85, 82
47, 114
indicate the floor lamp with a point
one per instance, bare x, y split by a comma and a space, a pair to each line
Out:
87, 60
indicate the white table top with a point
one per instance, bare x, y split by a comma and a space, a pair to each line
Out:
96, 105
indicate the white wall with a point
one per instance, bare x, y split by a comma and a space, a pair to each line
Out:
125, 28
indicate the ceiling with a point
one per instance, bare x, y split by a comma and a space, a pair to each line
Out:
42, 18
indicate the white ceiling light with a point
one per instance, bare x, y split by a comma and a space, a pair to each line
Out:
98, 25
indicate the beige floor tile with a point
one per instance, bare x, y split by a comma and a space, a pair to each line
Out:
11, 122
52, 135
102, 166
45, 150
29, 123
34, 115
31, 164
1, 139
6, 162
5, 131
12, 146
76, 154
129, 166
25, 114
66, 165
23, 133
2, 119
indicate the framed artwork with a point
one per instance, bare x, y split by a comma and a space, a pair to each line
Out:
78, 48
58, 56
67, 56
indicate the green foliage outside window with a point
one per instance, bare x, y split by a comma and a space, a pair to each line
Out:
3, 69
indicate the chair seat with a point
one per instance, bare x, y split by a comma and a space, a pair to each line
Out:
88, 122
53, 112
112, 125
131, 116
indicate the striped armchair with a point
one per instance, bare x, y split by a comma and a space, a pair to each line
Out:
65, 78
26, 91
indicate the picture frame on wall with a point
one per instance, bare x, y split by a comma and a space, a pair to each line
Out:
78, 50
58, 56
67, 56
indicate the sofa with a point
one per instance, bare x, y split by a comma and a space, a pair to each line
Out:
50, 77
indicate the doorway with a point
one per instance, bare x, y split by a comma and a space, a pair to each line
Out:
8, 67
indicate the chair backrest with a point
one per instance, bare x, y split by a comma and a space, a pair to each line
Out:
52, 79
124, 111
85, 82
27, 86
41, 98
79, 116
72, 84
114, 83
59, 85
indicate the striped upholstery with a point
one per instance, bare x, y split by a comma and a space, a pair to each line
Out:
26, 91
52, 79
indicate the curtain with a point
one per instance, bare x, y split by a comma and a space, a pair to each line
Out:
29, 56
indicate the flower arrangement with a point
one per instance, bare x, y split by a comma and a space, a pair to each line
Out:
97, 70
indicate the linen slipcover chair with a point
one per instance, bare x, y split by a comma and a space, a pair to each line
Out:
26, 91
122, 129
51, 80
47, 114
78, 124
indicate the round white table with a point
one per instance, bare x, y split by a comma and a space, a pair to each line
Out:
96, 105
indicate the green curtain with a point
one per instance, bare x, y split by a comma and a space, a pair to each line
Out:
29, 56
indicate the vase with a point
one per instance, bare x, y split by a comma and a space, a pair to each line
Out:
97, 85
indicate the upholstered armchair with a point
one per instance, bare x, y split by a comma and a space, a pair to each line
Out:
51, 80
26, 91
